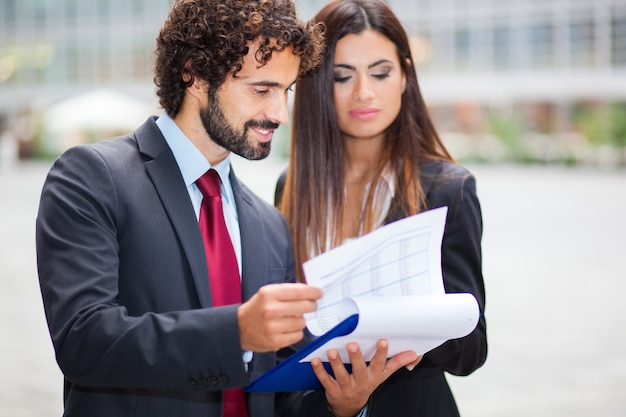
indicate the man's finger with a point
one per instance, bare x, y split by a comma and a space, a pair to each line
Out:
292, 292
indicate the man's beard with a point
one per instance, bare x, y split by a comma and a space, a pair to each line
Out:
225, 135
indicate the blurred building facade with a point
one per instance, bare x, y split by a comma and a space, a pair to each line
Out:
543, 76
488, 68
52, 50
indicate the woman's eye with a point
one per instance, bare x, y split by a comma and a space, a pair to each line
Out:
341, 79
381, 76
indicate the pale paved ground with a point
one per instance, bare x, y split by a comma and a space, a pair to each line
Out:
554, 262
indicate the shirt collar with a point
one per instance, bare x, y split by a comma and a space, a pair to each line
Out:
191, 162
388, 177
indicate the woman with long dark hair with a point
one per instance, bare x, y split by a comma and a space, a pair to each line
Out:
364, 153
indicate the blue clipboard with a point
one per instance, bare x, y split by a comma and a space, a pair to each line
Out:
293, 375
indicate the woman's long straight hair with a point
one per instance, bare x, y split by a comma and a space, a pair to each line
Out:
313, 197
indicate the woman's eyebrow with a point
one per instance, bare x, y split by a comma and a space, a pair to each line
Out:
350, 67
380, 61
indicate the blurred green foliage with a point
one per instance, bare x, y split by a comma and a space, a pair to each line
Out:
605, 125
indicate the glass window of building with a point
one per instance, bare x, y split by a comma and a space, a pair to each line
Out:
104, 9
502, 48
40, 11
581, 40
541, 36
9, 12
462, 48
137, 8
71, 10
618, 40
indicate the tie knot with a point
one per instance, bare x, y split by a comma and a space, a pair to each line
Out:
209, 184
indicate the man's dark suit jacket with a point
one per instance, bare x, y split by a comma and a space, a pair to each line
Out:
125, 285
424, 391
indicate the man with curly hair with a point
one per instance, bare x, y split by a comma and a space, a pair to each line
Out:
127, 286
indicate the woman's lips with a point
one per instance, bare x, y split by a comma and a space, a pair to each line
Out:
364, 113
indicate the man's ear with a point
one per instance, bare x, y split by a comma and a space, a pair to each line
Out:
187, 73
196, 87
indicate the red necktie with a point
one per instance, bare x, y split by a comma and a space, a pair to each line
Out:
223, 269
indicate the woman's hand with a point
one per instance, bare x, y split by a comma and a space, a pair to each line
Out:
347, 393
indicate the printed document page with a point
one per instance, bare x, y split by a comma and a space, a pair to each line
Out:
399, 259
387, 284
417, 323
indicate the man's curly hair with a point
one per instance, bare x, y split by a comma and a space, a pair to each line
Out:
208, 39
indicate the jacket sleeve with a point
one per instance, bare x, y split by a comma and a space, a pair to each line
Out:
80, 239
301, 403
461, 259
298, 403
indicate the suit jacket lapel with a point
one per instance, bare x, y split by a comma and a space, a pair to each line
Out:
251, 228
168, 182
428, 172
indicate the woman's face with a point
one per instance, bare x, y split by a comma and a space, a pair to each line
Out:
369, 83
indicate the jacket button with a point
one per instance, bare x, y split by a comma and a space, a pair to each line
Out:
193, 384
223, 379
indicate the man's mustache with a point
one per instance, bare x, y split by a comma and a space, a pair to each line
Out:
262, 124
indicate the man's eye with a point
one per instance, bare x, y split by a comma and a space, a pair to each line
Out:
262, 92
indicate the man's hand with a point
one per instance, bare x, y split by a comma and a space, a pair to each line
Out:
273, 317
348, 393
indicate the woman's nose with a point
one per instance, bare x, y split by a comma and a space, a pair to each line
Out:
363, 89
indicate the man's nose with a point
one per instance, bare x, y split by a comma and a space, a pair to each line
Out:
279, 111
